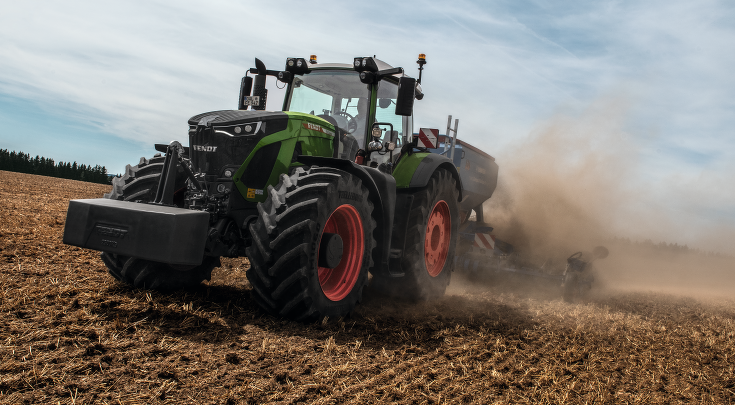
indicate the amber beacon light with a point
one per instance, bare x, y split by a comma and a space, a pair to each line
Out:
421, 62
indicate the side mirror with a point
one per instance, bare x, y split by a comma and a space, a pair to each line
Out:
406, 93
384, 103
245, 86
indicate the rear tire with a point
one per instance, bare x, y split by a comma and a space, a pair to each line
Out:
431, 242
284, 271
139, 184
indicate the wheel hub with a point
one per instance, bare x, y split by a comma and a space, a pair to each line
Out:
343, 227
438, 235
330, 250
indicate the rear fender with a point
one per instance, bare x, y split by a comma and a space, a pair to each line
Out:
415, 170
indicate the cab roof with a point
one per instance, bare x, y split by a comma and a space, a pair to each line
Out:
347, 66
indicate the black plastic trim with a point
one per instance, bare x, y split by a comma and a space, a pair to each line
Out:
261, 165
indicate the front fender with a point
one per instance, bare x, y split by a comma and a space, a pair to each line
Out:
382, 188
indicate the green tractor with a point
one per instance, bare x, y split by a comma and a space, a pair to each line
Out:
334, 187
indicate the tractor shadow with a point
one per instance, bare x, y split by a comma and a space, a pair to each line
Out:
386, 322
226, 313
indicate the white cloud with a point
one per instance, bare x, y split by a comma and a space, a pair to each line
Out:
139, 69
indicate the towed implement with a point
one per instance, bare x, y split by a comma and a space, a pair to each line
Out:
480, 253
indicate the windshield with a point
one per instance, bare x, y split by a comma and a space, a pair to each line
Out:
386, 108
335, 94
385, 112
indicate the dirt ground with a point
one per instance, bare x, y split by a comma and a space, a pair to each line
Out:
70, 334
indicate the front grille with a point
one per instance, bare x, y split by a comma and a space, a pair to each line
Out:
227, 138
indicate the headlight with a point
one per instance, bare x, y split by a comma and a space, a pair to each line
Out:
375, 146
377, 132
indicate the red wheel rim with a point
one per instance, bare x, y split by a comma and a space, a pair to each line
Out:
336, 283
438, 234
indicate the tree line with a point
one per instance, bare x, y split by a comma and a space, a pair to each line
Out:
666, 247
23, 163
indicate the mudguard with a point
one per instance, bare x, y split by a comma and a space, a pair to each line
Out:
382, 188
415, 170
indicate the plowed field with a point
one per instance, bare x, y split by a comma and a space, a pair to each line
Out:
70, 334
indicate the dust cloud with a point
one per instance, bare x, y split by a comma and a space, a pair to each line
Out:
575, 183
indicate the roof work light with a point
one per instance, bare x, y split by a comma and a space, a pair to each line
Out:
368, 77
297, 66
362, 64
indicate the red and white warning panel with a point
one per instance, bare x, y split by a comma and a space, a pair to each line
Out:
484, 241
428, 138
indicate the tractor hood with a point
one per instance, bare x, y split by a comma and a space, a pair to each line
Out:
220, 139
236, 117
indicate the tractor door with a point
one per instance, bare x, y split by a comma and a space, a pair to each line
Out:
385, 113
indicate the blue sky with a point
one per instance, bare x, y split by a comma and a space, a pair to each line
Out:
98, 82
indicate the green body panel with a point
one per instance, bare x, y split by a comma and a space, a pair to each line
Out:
315, 141
407, 167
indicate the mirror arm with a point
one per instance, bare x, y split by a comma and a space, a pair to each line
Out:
389, 72
267, 72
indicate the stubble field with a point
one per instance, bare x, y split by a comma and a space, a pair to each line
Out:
71, 334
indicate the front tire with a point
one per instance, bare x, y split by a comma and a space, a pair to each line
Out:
431, 242
139, 184
300, 213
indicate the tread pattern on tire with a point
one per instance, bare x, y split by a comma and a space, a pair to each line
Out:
417, 284
282, 269
139, 183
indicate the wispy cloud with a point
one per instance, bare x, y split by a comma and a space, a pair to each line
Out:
137, 70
